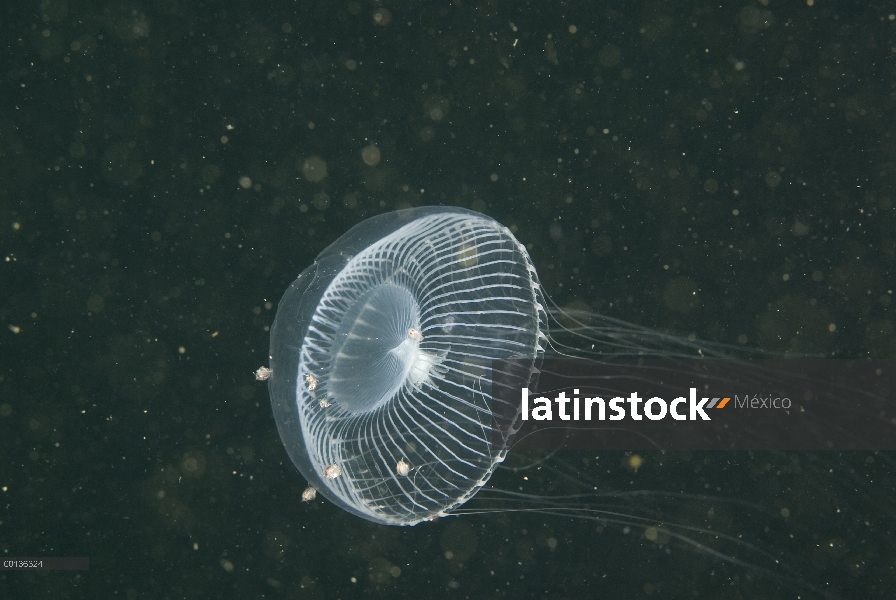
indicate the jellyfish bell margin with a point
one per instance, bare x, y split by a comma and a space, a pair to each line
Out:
397, 322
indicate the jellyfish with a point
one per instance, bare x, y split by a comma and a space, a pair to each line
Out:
381, 356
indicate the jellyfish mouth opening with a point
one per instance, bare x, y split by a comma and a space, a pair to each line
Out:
420, 367
374, 355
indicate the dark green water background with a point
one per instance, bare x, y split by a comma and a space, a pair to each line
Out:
726, 171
